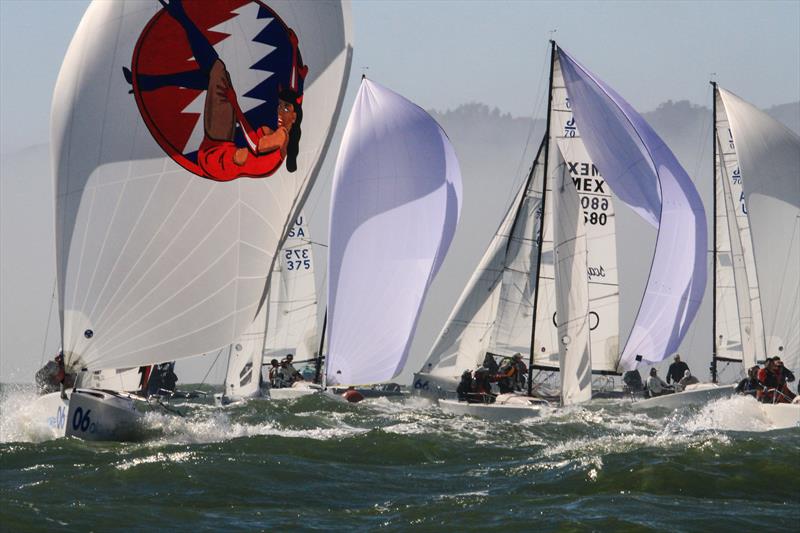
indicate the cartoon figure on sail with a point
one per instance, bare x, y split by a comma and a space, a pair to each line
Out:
231, 146
155, 264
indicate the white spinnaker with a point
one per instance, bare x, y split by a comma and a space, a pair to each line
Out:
394, 209
572, 288
474, 327
600, 224
769, 159
644, 174
292, 325
155, 263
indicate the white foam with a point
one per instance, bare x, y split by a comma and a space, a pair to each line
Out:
176, 457
737, 413
23, 417
216, 426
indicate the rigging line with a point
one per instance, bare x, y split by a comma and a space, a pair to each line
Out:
701, 146
537, 102
306, 241
49, 316
210, 368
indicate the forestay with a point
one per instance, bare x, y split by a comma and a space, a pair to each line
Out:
394, 208
162, 253
643, 173
769, 158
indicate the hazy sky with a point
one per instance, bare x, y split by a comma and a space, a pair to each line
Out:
440, 55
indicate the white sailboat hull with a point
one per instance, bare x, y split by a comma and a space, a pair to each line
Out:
699, 394
102, 415
221, 399
782, 415
297, 390
90, 414
510, 407
50, 411
431, 386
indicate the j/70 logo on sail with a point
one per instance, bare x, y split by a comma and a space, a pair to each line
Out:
220, 86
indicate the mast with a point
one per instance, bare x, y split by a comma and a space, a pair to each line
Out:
540, 237
714, 246
318, 364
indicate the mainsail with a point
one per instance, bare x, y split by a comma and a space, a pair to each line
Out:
394, 209
643, 173
739, 327
162, 252
765, 197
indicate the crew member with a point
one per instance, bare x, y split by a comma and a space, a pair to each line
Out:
656, 385
687, 379
749, 386
464, 386
676, 370
274, 369
773, 381
292, 373
633, 380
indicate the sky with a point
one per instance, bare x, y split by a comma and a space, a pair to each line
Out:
444, 53
438, 54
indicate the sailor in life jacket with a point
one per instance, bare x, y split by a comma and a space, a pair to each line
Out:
218, 157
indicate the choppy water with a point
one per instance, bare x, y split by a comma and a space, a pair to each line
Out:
321, 464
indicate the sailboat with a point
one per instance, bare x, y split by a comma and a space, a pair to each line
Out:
517, 299
757, 242
287, 324
179, 169
755, 307
395, 205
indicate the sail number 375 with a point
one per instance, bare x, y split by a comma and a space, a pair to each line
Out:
297, 259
